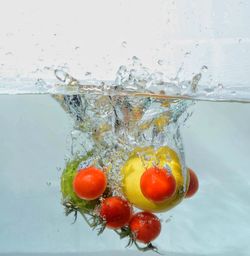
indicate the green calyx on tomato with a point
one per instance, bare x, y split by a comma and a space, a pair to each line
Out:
114, 212
143, 227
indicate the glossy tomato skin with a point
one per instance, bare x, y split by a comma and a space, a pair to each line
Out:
89, 183
145, 226
116, 212
193, 183
157, 184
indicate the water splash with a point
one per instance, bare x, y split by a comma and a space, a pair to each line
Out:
134, 79
137, 80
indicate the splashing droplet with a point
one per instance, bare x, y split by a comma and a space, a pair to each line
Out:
135, 60
87, 73
204, 67
65, 78
195, 81
187, 53
124, 44
61, 75
160, 62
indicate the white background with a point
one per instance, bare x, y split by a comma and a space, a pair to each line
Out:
86, 36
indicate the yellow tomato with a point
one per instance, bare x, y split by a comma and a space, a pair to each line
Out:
142, 159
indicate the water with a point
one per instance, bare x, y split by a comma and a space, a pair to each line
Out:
34, 137
134, 79
139, 108
107, 78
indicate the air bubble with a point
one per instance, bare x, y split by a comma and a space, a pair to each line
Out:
168, 168
85, 164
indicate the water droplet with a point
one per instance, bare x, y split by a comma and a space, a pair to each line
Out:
61, 75
85, 164
135, 60
124, 44
87, 73
204, 67
168, 219
195, 81
41, 83
220, 86
160, 62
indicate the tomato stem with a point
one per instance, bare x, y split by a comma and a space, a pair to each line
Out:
95, 221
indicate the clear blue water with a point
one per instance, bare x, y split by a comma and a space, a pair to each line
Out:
33, 137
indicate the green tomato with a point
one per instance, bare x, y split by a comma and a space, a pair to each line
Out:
68, 193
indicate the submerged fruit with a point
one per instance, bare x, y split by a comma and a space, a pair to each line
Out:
115, 211
89, 183
145, 227
157, 184
193, 183
67, 190
142, 159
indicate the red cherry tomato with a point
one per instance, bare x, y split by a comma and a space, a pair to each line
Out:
145, 226
157, 184
89, 183
116, 212
193, 184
